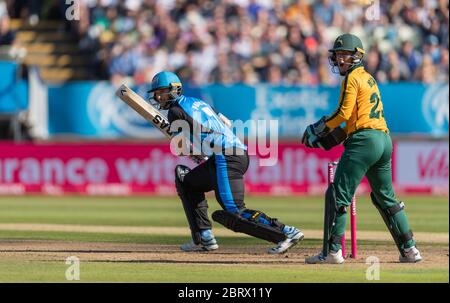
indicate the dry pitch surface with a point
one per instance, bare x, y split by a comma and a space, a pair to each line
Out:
35, 250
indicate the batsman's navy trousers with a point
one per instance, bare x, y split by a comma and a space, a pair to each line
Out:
225, 175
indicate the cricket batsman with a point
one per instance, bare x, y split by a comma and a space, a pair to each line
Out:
368, 152
223, 172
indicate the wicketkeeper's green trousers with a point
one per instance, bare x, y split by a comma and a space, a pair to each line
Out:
367, 153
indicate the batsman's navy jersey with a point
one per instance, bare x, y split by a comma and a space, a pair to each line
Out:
222, 172
207, 130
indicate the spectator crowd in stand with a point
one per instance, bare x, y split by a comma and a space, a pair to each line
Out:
7, 36
281, 42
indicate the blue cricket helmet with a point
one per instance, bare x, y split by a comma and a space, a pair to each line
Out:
169, 80
165, 80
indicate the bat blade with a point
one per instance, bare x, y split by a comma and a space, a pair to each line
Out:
145, 109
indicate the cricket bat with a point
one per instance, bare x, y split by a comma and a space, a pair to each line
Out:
149, 113
145, 109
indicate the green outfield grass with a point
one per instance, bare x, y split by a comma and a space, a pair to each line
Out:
178, 273
426, 214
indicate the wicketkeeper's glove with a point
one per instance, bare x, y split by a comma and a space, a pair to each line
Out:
318, 135
314, 132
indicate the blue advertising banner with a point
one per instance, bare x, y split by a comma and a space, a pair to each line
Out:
410, 108
13, 92
91, 109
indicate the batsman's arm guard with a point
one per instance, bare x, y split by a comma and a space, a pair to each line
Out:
237, 223
388, 217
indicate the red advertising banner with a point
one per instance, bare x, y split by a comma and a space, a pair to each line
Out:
102, 169
298, 170
136, 168
123, 169
422, 166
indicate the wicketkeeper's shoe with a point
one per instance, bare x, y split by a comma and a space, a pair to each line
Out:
332, 258
293, 236
412, 255
207, 243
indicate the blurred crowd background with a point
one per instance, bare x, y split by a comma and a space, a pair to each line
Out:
252, 41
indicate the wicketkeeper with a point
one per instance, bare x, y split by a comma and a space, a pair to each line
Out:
368, 151
223, 171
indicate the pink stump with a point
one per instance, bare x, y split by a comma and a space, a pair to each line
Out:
353, 227
331, 171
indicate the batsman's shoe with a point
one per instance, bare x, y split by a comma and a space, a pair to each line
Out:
293, 236
332, 258
412, 255
207, 243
